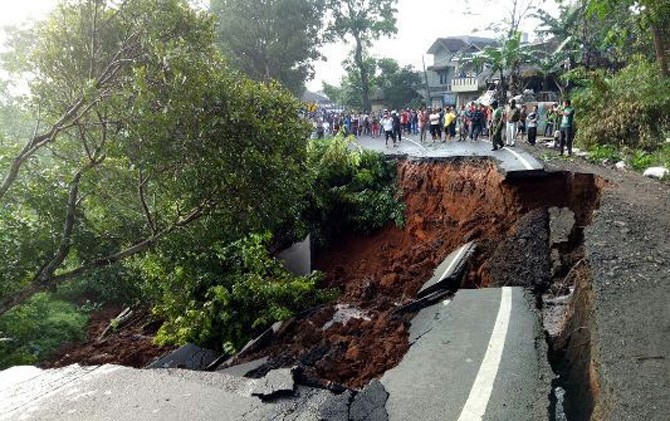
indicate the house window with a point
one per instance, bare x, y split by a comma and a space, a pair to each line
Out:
444, 78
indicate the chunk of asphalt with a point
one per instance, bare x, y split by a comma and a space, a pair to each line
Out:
275, 384
241, 370
336, 408
369, 404
260, 341
189, 356
448, 274
422, 303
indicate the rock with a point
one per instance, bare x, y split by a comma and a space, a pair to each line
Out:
621, 165
619, 223
369, 404
276, 382
656, 172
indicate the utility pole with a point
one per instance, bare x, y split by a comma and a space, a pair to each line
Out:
425, 75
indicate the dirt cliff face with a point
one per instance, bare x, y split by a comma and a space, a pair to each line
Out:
448, 203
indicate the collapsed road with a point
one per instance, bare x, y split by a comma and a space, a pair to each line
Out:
394, 346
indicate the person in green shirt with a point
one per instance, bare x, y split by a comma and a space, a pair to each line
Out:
497, 124
567, 126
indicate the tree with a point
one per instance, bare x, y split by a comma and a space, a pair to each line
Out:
507, 58
400, 85
364, 21
271, 39
652, 15
149, 134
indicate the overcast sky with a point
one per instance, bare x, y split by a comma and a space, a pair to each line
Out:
420, 22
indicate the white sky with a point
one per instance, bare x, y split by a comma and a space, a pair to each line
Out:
420, 22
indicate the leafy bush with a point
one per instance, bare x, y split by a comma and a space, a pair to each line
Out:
32, 331
353, 190
600, 153
630, 108
250, 292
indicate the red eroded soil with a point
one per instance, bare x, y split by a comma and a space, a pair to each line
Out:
131, 346
448, 203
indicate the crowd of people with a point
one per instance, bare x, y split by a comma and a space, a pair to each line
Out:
469, 122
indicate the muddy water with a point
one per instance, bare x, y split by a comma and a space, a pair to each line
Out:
448, 203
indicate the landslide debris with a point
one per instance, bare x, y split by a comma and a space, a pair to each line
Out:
448, 203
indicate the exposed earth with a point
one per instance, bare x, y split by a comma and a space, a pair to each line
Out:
614, 259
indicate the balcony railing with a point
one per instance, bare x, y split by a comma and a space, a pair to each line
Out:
465, 84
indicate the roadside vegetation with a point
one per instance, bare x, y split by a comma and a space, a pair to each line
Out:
143, 169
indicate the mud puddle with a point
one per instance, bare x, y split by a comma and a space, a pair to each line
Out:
448, 203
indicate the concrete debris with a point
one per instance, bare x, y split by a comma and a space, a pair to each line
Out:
260, 341
656, 172
448, 274
276, 383
344, 313
369, 404
336, 408
241, 370
621, 165
189, 356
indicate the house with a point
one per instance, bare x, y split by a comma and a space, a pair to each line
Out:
449, 82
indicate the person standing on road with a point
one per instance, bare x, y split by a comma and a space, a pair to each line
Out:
476, 123
424, 123
462, 124
435, 131
512, 119
549, 126
397, 126
449, 124
567, 126
387, 126
522, 122
497, 124
531, 122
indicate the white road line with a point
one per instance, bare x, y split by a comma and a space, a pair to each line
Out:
523, 160
475, 406
453, 262
417, 144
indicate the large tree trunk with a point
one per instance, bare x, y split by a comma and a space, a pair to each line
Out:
659, 47
365, 88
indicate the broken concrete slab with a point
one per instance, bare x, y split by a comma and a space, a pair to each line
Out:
336, 408
276, 383
448, 273
189, 356
369, 404
422, 303
241, 370
260, 341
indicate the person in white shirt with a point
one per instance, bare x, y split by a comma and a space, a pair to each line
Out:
434, 119
387, 126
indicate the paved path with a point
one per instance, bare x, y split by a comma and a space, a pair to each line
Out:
510, 159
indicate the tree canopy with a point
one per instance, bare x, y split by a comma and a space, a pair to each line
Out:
363, 21
271, 39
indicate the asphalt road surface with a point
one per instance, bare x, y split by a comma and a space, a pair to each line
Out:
510, 159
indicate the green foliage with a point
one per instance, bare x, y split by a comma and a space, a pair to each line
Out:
629, 109
271, 39
33, 331
353, 190
250, 292
600, 153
